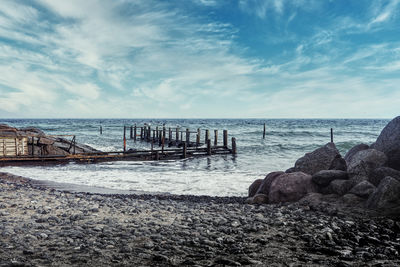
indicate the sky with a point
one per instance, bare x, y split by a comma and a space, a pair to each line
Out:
200, 59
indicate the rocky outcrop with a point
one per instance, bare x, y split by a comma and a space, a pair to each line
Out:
254, 187
365, 161
386, 195
290, 187
323, 158
266, 183
363, 189
349, 155
378, 174
389, 143
325, 177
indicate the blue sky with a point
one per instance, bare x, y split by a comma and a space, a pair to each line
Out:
200, 59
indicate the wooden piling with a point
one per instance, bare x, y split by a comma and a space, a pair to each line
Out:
141, 133
215, 137
134, 132
124, 132
169, 134
157, 156
101, 130
331, 135
131, 132
225, 138
164, 131
207, 136
152, 145
177, 134
264, 131
234, 146
209, 147
33, 146
198, 137
187, 136
162, 144
184, 150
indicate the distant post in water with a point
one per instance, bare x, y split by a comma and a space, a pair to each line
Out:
225, 138
134, 132
331, 135
177, 134
101, 130
169, 134
209, 147
162, 144
207, 136
141, 133
234, 151
215, 137
264, 132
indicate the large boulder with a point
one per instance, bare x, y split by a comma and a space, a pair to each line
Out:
254, 187
350, 154
324, 177
257, 199
389, 143
266, 183
289, 187
338, 187
363, 189
379, 173
323, 158
365, 161
386, 195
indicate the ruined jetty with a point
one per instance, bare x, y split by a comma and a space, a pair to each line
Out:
32, 146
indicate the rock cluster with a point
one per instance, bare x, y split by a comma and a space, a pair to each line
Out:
367, 174
44, 144
44, 227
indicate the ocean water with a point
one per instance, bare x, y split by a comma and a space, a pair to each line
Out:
218, 175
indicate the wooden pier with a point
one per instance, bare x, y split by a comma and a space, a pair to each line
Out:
165, 138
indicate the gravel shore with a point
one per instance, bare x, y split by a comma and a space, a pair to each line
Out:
46, 227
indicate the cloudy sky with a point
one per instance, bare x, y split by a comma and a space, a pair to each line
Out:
200, 58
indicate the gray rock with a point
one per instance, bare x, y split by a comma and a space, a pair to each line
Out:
289, 187
363, 189
338, 187
324, 177
365, 161
253, 188
257, 199
389, 142
266, 183
318, 160
386, 195
349, 155
379, 173
351, 200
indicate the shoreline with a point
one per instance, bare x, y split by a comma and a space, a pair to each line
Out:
48, 227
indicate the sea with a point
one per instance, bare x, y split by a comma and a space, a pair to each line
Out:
286, 140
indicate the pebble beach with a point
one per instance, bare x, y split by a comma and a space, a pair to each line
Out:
46, 227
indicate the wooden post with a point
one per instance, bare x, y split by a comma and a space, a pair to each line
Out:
184, 150
33, 147
157, 132
74, 144
234, 146
198, 137
149, 135
264, 131
141, 133
101, 130
207, 136
124, 144
225, 138
152, 145
134, 133
124, 132
131, 132
215, 137
177, 134
181, 136
163, 130
157, 156
169, 134
187, 136
162, 144
209, 147
331, 135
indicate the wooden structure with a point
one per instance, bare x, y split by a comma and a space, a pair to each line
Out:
13, 146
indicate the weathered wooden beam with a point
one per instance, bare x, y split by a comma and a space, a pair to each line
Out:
209, 147
264, 131
215, 137
226, 138
234, 151
184, 150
